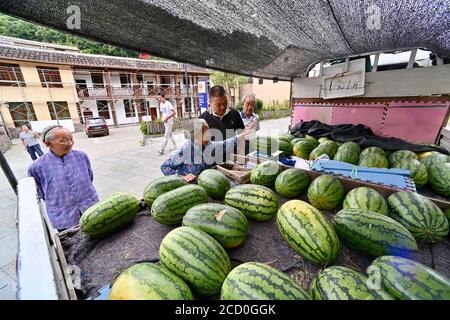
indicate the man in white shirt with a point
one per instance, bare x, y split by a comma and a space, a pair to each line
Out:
167, 113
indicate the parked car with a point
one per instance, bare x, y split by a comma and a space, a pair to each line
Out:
96, 126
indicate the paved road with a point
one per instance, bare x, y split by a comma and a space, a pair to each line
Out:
119, 163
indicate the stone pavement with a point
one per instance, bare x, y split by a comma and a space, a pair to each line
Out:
119, 163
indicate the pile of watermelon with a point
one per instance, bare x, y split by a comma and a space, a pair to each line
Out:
428, 168
214, 217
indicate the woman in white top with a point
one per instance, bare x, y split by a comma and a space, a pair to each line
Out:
29, 140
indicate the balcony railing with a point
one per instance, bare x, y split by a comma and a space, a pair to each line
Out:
170, 90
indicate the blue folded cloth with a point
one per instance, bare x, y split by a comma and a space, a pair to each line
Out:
286, 161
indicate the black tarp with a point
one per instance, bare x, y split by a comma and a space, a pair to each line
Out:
263, 38
360, 134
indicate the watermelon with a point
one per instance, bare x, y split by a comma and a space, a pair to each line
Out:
323, 139
406, 279
197, 258
327, 147
258, 281
308, 232
326, 192
351, 145
109, 214
265, 173
224, 223
372, 150
285, 137
256, 202
303, 148
439, 178
426, 154
285, 147
373, 160
149, 281
418, 170
170, 207
342, 283
311, 138
294, 141
291, 183
401, 155
447, 214
366, 199
160, 186
419, 215
373, 234
435, 159
347, 155
215, 183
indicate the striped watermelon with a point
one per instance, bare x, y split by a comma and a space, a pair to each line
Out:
170, 207
265, 173
291, 183
366, 199
426, 154
311, 138
419, 215
327, 147
326, 192
347, 155
215, 183
197, 258
286, 137
372, 150
258, 281
373, 234
342, 283
160, 186
285, 147
308, 232
406, 279
434, 159
256, 202
224, 223
294, 141
351, 145
439, 178
418, 170
149, 281
109, 214
303, 148
323, 139
373, 160
401, 155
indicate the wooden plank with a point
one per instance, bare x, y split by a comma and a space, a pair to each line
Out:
395, 83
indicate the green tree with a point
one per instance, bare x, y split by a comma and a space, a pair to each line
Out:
228, 81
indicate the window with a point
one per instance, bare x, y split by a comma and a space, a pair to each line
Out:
130, 112
260, 81
124, 80
97, 80
21, 113
103, 109
50, 76
11, 75
59, 110
140, 79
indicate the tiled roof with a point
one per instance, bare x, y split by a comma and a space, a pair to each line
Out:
91, 60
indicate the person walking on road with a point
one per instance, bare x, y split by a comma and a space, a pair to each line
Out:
168, 112
28, 139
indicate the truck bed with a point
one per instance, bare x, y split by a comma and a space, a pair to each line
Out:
102, 260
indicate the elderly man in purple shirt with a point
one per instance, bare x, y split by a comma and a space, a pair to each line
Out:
64, 179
